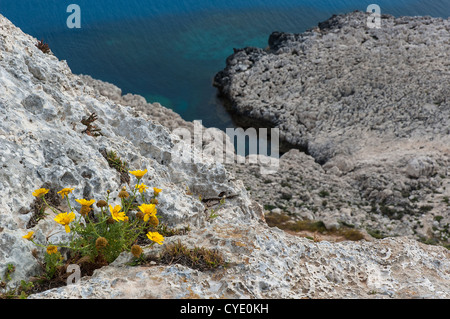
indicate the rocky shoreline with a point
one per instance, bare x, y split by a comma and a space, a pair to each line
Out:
369, 110
44, 142
327, 86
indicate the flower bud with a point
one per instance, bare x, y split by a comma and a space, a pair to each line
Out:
153, 220
136, 250
85, 210
140, 215
101, 203
101, 242
123, 194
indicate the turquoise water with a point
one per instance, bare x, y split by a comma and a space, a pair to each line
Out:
169, 51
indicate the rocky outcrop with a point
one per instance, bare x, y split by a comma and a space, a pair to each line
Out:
334, 87
44, 143
369, 106
138, 104
269, 263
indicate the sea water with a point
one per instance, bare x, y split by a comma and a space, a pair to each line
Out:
169, 51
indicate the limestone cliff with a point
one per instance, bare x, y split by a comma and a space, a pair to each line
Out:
43, 142
369, 110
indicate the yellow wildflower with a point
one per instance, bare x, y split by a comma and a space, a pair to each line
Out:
85, 202
65, 219
65, 191
40, 192
116, 213
156, 237
142, 188
52, 249
138, 174
156, 191
29, 235
148, 210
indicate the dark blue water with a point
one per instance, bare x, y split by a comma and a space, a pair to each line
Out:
169, 51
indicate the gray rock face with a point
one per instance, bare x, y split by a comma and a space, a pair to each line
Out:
371, 106
273, 264
330, 86
42, 142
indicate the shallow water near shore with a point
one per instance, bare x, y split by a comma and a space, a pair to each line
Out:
169, 51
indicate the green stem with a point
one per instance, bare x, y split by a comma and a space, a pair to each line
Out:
131, 200
50, 244
39, 245
68, 203
53, 209
93, 227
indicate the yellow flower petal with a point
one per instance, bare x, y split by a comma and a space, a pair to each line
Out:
115, 209
65, 219
116, 213
148, 209
65, 191
40, 192
29, 235
85, 202
138, 173
156, 237
52, 249
142, 187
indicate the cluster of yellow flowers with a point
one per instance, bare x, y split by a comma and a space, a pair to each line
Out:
147, 211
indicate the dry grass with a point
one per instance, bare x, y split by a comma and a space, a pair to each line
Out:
310, 229
197, 258
43, 47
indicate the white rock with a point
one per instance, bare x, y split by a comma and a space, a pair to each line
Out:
49, 148
420, 166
